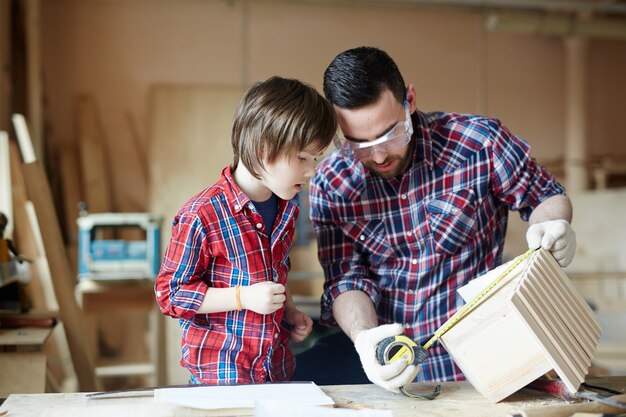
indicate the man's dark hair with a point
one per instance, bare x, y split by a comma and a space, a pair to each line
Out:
357, 77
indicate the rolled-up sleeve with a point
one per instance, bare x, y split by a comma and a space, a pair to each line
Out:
180, 287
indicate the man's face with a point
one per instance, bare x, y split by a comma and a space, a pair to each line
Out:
372, 122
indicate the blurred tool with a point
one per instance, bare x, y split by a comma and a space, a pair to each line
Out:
557, 388
111, 259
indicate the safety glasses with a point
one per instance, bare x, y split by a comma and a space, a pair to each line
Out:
394, 140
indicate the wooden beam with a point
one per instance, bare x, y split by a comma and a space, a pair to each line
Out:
63, 282
5, 63
72, 196
71, 188
40, 290
34, 70
576, 148
6, 201
93, 156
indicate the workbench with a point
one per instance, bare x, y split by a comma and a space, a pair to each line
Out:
456, 399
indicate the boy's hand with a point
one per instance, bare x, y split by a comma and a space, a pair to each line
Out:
301, 324
263, 298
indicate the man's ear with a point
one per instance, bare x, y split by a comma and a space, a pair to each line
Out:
411, 98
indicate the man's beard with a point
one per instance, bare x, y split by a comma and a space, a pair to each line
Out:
401, 167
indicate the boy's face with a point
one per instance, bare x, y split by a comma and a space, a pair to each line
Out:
286, 175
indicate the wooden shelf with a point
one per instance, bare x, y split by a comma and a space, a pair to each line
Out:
118, 369
115, 311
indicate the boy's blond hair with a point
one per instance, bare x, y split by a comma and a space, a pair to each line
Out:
278, 116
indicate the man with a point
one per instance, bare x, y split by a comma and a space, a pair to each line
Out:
413, 207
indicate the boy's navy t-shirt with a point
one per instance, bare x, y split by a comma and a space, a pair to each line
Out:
268, 209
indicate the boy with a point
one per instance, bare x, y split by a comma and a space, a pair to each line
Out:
225, 269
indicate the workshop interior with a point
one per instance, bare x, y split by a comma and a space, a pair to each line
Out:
114, 112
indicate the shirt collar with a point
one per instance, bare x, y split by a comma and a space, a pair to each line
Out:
235, 196
423, 145
237, 199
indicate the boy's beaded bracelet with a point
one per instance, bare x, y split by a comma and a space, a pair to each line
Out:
238, 298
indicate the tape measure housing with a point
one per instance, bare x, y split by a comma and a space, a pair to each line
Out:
399, 347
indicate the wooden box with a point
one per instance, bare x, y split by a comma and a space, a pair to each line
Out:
533, 322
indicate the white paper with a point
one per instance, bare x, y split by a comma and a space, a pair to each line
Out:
243, 396
273, 409
477, 285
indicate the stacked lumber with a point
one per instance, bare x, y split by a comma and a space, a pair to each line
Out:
44, 222
533, 322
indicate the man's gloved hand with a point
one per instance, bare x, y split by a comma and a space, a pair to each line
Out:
392, 376
556, 236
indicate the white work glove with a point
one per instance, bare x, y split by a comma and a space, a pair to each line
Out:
556, 236
392, 376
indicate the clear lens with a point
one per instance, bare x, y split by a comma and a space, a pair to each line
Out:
398, 137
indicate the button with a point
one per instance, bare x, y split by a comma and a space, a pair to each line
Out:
407, 326
409, 233
362, 237
414, 261
275, 335
259, 225
236, 206
410, 291
158, 293
403, 196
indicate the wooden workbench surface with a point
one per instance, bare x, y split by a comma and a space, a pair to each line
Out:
456, 399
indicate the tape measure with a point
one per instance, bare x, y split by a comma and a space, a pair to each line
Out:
402, 348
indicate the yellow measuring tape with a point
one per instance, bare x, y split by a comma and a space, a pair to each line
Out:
469, 306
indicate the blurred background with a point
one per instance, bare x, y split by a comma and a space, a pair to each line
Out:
129, 104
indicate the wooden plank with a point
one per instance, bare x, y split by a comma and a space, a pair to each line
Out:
6, 84
72, 196
6, 200
40, 291
62, 279
22, 372
24, 336
555, 296
93, 156
553, 350
34, 89
544, 303
39, 192
26, 241
550, 341
71, 188
581, 306
106, 298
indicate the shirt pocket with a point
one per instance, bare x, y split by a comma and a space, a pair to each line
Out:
370, 240
452, 221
